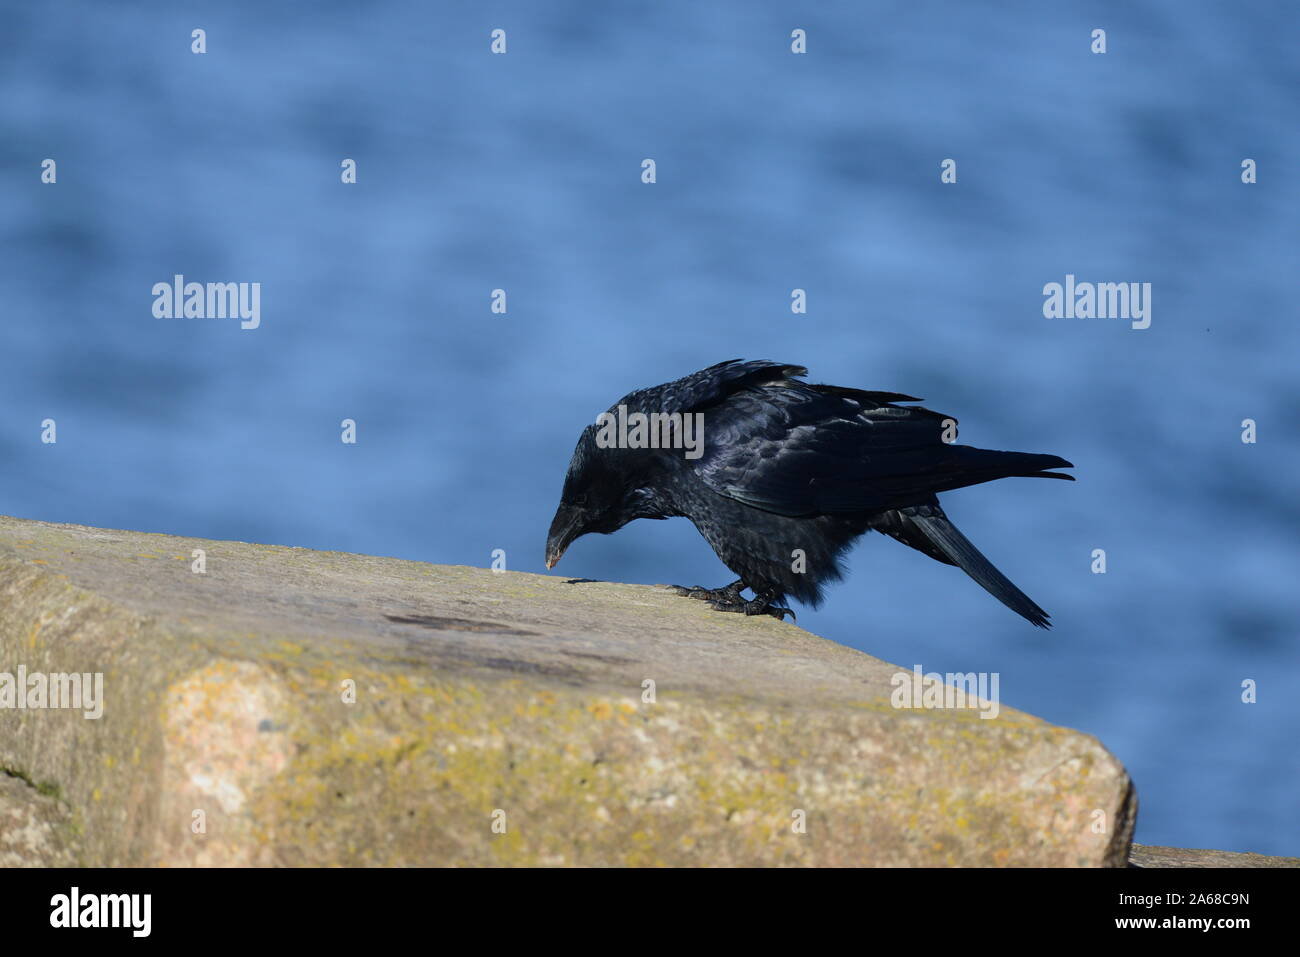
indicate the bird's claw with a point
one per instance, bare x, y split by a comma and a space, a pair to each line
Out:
730, 593
758, 606
728, 599
779, 613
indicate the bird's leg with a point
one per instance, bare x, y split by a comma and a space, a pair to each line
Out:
763, 603
731, 593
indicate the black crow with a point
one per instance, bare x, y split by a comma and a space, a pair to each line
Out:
780, 477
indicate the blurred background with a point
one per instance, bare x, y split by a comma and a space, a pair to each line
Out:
775, 171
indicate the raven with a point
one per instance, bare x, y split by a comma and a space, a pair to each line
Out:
786, 477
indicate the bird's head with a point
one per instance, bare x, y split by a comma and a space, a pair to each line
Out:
600, 495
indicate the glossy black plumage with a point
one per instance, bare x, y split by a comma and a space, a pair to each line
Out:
789, 474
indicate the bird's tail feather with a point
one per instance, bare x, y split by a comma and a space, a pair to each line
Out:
927, 525
971, 466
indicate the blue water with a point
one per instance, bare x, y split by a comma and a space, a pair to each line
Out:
775, 171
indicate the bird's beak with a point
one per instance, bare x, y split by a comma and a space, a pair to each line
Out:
566, 526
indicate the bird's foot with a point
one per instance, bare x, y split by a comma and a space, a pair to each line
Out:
760, 605
729, 594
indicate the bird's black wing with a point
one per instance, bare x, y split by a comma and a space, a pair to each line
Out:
798, 449
708, 387
927, 529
